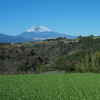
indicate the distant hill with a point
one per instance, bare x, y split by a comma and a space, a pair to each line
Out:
39, 32
12, 39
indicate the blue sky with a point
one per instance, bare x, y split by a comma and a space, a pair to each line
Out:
72, 17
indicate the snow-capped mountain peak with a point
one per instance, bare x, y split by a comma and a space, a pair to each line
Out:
38, 28
39, 32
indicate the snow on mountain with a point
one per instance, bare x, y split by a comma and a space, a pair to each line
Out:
39, 32
35, 33
39, 28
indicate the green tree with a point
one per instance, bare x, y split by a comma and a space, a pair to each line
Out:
96, 58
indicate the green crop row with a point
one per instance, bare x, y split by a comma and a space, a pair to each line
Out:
69, 86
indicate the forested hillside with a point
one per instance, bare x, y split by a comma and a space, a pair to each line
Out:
17, 60
71, 55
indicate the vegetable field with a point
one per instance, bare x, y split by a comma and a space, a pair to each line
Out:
69, 86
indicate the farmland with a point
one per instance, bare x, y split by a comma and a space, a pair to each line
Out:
69, 86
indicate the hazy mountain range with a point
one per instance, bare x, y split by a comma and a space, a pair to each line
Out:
12, 39
35, 33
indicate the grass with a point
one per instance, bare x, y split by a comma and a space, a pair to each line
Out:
70, 86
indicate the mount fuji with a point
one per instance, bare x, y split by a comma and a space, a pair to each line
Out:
39, 32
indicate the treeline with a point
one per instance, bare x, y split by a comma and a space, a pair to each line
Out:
83, 61
18, 60
87, 59
71, 55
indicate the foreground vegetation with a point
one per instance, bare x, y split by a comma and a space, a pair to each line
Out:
71, 55
69, 86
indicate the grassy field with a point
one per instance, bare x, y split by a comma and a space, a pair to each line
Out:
70, 86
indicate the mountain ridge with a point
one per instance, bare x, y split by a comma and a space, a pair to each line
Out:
12, 39
40, 32
35, 33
